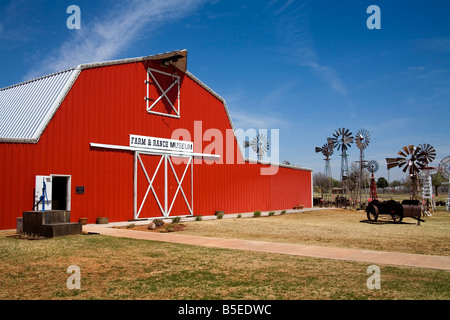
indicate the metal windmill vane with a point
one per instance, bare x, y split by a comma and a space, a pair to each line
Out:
342, 140
362, 139
372, 166
327, 150
260, 144
413, 159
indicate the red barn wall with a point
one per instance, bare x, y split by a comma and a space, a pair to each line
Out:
106, 105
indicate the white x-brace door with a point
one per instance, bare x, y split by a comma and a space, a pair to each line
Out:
175, 82
164, 162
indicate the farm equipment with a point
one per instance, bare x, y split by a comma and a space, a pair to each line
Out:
408, 208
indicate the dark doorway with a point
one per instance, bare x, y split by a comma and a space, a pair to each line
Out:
59, 193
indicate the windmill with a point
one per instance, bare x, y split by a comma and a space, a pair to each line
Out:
362, 140
428, 153
327, 150
260, 144
427, 190
444, 170
413, 159
342, 140
372, 167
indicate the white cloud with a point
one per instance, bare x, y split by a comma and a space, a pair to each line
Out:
246, 120
294, 32
119, 27
438, 45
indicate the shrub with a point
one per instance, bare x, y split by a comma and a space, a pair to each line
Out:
271, 213
239, 216
130, 226
283, 212
256, 214
176, 219
219, 214
198, 218
169, 228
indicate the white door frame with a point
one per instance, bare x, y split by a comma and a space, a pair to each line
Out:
69, 185
49, 201
164, 208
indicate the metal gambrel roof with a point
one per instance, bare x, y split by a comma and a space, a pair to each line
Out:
27, 108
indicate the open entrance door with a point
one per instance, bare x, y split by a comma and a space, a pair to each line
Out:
52, 192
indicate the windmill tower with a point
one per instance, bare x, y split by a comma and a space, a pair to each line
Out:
327, 150
342, 140
428, 154
444, 170
429, 204
362, 140
372, 167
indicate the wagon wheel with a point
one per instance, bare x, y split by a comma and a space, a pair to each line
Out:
397, 213
372, 213
397, 218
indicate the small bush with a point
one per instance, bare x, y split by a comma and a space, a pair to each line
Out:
176, 219
130, 226
257, 214
271, 213
239, 216
198, 218
283, 212
169, 228
219, 214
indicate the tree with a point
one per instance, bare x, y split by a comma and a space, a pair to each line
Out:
395, 184
382, 183
321, 181
436, 181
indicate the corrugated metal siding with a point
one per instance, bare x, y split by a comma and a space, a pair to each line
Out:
26, 108
105, 105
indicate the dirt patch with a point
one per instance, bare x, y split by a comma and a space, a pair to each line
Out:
170, 227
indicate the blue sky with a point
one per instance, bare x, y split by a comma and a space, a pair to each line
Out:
306, 68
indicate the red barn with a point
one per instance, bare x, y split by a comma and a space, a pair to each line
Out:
131, 139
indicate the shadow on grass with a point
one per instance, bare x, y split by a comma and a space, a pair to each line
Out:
381, 222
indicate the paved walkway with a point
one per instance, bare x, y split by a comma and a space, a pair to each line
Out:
366, 256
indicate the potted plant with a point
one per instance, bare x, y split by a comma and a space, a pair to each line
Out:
102, 220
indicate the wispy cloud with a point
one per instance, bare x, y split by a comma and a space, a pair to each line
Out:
119, 27
438, 45
247, 120
284, 6
295, 35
